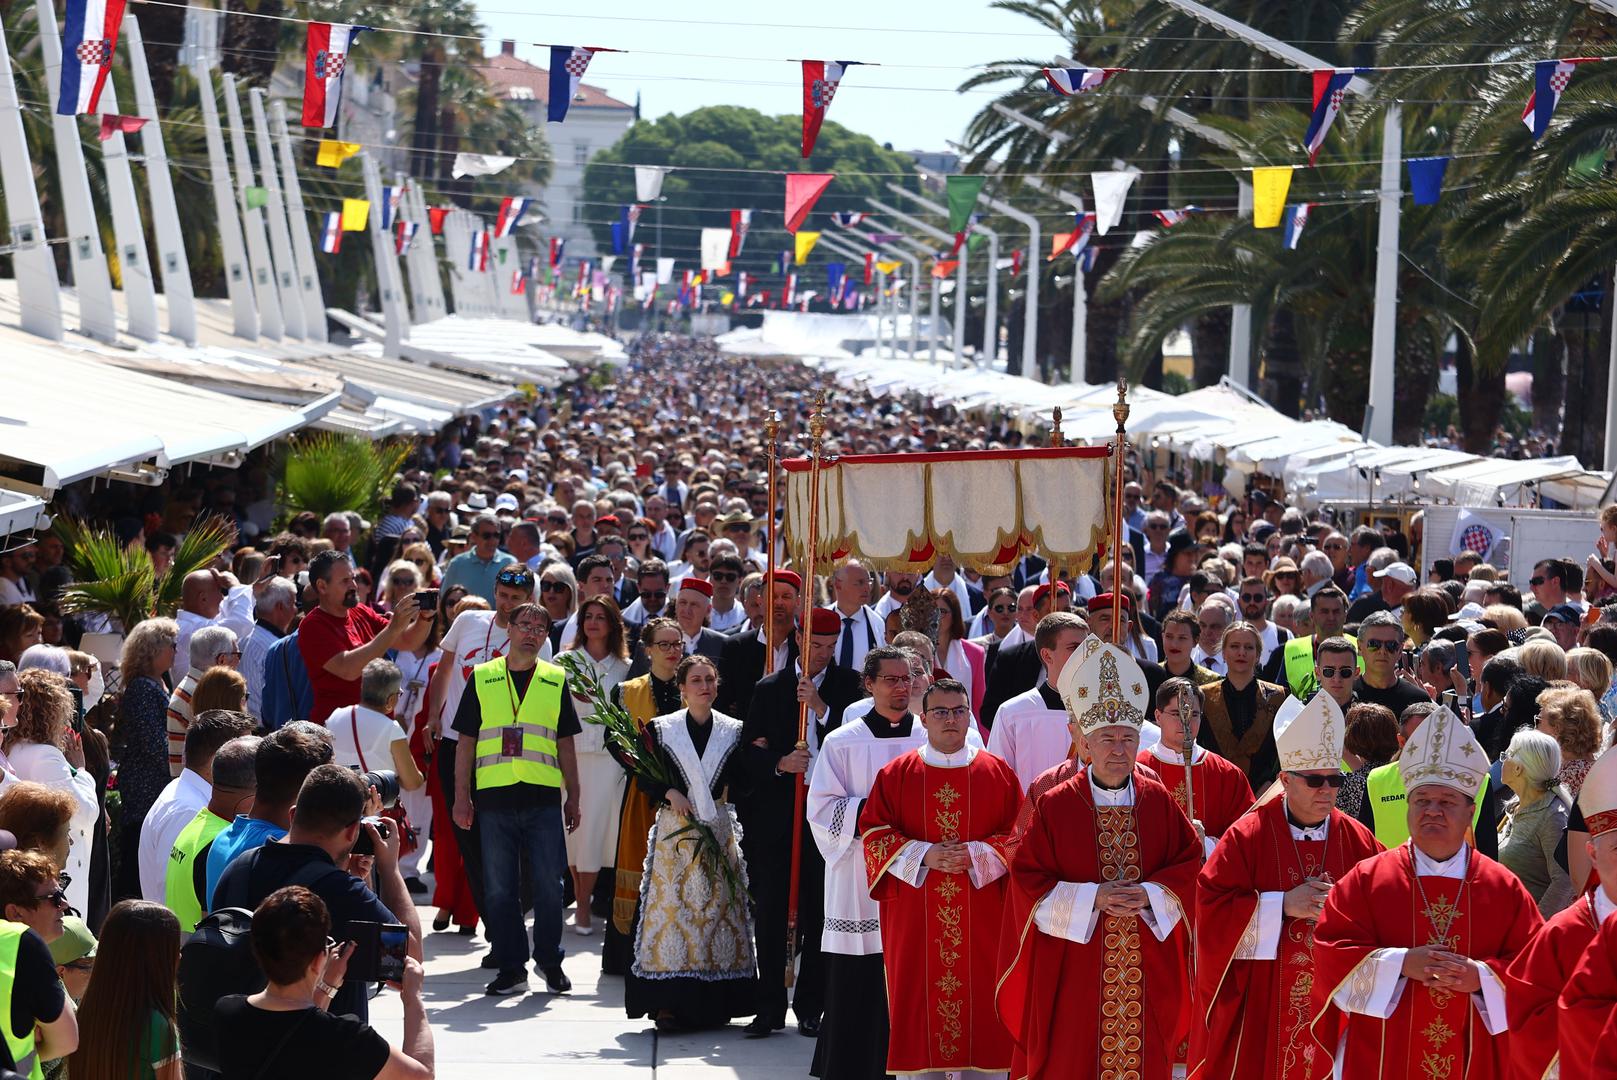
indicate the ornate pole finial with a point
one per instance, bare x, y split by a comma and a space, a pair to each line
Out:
772, 426
817, 417
1120, 411
1055, 427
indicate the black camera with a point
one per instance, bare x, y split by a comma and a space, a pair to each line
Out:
362, 844
386, 783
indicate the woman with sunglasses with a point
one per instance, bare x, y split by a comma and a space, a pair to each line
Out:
401, 578
639, 538
44, 748
558, 589
604, 652
420, 556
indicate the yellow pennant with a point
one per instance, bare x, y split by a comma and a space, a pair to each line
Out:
333, 153
1269, 188
727, 299
888, 266
805, 244
355, 213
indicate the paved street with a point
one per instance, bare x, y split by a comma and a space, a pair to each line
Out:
582, 1034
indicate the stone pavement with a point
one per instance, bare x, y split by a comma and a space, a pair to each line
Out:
582, 1034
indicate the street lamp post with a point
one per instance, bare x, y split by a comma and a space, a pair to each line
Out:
960, 288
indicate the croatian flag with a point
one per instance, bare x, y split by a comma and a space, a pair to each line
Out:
635, 251
331, 233
89, 36
847, 219
741, 285
557, 246
567, 66
1550, 78
790, 290
519, 284
390, 205
406, 236
820, 79
870, 267
326, 55
1292, 221
510, 216
1170, 218
1016, 262
477, 258
740, 220
782, 262
1072, 81
1330, 87
1087, 259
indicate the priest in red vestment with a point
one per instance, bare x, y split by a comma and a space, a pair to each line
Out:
1095, 947
1564, 984
937, 832
1219, 788
1257, 901
1414, 943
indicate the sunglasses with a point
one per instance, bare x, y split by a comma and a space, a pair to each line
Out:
1376, 645
725, 575
554, 586
1537, 581
521, 579
57, 896
1001, 609
1343, 672
639, 536
402, 581
487, 534
1335, 780
1156, 528
654, 594
1253, 598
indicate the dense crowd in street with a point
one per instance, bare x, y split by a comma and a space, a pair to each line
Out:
1312, 797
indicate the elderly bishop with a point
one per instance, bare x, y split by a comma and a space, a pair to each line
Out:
1095, 945
1257, 901
1414, 943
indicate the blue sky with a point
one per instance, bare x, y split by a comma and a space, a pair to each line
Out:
680, 56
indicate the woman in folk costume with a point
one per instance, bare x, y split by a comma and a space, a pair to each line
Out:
694, 964
654, 694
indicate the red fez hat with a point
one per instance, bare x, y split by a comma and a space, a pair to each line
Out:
1043, 591
608, 519
1103, 602
696, 584
825, 621
789, 578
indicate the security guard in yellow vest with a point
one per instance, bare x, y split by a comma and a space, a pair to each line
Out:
1327, 610
235, 786
36, 1017
515, 757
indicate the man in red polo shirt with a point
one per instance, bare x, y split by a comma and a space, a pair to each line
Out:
340, 636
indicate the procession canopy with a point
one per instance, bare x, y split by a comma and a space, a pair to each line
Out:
983, 507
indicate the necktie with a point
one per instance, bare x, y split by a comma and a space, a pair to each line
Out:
845, 658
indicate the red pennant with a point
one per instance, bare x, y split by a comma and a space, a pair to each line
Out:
870, 266
435, 219
959, 238
802, 191
944, 267
1016, 262
112, 123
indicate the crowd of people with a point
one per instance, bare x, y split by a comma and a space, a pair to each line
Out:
1310, 796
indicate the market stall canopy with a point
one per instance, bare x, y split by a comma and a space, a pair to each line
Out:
987, 507
1271, 455
1488, 480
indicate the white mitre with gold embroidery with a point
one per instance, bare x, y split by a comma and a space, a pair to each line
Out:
1598, 799
1443, 751
1310, 736
1106, 689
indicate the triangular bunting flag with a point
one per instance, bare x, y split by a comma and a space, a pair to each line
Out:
820, 79
355, 213
479, 165
1269, 187
255, 198
112, 124
1111, 191
648, 182
1426, 179
802, 190
962, 192
435, 219
333, 153
1077, 80
805, 244
716, 248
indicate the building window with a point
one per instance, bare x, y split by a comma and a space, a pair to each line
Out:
578, 213
581, 153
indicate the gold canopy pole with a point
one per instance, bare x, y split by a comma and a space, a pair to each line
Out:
1120, 413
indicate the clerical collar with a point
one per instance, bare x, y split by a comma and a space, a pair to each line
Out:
1603, 905
1452, 867
1103, 796
931, 755
1052, 700
1169, 756
884, 728
1299, 831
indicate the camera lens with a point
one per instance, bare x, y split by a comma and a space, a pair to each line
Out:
386, 783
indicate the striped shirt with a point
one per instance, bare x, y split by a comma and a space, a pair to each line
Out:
179, 719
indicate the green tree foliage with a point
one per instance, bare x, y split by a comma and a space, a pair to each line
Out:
701, 145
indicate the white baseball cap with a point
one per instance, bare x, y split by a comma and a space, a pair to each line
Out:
1402, 571
507, 501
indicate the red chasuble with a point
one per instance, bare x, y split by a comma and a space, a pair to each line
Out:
1258, 1012
1379, 904
1098, 1009
939, 940
1587, 1007
1533, 990
1222, 791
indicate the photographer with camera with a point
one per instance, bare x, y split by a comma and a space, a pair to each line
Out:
328, 825
292, 1027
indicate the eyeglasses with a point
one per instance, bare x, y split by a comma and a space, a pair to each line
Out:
670, 645
959, 712
1344, 672
530, 627
1379, 645
1336, 780
892, 682
724, 575
554, 586
487, 534
521, 579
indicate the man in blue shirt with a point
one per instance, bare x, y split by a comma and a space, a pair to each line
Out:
286, 693
477, 567
284, 759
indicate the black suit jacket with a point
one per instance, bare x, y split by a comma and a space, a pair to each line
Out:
767, 812
708, 643
741, 665
1015, 671
974, 593
1027, 571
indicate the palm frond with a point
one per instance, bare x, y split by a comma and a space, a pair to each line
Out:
325, 473
202, 543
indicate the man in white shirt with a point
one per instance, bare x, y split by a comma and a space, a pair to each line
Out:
862, 629
14, 568
663, 539
1030, 730
594, 579
212, 598
900, 585
1254, 601
727, 614
187, 793
943, 576
1214, 617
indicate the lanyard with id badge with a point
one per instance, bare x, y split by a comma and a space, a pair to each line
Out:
511, 737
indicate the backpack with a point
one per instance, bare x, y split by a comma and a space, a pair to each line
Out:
216, 961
